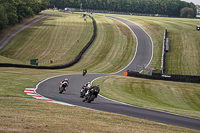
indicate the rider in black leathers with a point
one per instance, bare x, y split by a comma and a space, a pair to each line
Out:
84, 72
93, 87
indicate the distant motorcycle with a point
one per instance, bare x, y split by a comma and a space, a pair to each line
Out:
91, 94
84, 72
63, 86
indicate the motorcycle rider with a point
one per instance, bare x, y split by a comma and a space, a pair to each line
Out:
65, 80
97, 88
94, 90
86, 87
84, 72
93, 87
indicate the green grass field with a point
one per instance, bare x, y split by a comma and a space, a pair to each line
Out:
21, 115
183, 57
174, 97
54, 38
113, 49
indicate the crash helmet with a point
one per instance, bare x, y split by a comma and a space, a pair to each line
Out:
89, 84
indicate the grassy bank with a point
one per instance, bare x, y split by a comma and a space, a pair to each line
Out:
174, 97
54, 38
183, 57
113, 48
21, 115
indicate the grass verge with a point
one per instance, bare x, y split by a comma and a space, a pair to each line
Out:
173, 97
21, 115
183, 57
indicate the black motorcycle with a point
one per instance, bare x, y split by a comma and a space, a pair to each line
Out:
84, 72
63, 86
83, 91
91, 94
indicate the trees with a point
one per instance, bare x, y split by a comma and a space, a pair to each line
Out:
167, 7
24, 11
3, 18
172, 8
187, 12
12, 11
44, 4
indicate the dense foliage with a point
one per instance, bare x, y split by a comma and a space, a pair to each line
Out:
166, 7
187, 12
12, 11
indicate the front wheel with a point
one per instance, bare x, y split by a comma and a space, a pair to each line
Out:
91, 99
82, 93
83, 73
61, 90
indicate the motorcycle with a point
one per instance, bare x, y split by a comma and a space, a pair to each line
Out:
63, 86
84, 72
83, 91
91, 94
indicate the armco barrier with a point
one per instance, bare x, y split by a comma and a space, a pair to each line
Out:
167, 77
71, 63
163, 59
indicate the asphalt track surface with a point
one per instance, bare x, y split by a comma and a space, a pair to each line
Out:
49, 88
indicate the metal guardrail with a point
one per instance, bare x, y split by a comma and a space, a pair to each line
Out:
166, 77
163, 59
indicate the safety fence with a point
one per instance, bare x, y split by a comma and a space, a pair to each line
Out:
164, 50
68, 64
167, 77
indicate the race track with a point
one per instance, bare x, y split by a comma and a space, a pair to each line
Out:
49, 88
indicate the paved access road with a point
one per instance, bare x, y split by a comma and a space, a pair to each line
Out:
49, 88
7, 38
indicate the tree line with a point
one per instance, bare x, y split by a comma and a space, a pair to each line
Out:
13, 11
171, 8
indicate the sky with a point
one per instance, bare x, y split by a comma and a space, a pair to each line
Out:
196, 2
